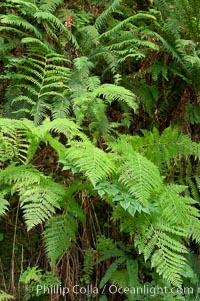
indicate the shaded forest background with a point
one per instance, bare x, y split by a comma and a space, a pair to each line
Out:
99, 153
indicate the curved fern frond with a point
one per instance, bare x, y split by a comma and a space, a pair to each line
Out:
13, 143
4, 296
163, 247
170, 145
112, 92
19, 21
4, 204
100, 21
39, 202
39, 196
43, 76
50, 5
140, 176
59, 233
94, 163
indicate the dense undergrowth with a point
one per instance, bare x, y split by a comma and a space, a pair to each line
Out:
99, 153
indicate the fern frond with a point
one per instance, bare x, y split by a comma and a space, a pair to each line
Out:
24, 6
88, 265
5, 297
112, 268
177, 210
140, 176
50, 5
44, 76
112, 92
164, 249
115, 30
39, 202
19, 21
39, 196
3, 205
14, 145
170, 145
47, 16
59, 233
94, 163
100, 21
62, 125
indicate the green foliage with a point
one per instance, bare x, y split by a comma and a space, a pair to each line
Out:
4, 296
88, 86
39, 84
32, 277
95, 164
88, 266
46, 24
60, 232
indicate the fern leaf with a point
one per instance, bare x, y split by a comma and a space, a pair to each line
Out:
21, 22
112, 92
100, 21
4, 296
112, 268
3, 205
39, 202
140, 176
50, 5
163, 248
60, 231
91, 161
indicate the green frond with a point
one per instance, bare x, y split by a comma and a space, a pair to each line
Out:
39, 196
120, 278
59, 233
61, 107
24, 6
62, 125
39, 202
128, 21
15, 20
41, 75
88, 265
44, 16
4, 205
5, 297
112, 268
100, 21
20, 176
170, 145
178, 209
94, 163
50, 5
140, 176
13, 142
162, 247
30, 40
112, 92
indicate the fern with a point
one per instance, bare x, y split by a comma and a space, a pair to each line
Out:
100, 21
167, 252
4, 205
88, 266
42, 12
113, 92
39, 196
60, 231
162, 149
42, 77
4, 296
50, 6
140, 176
93, 162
